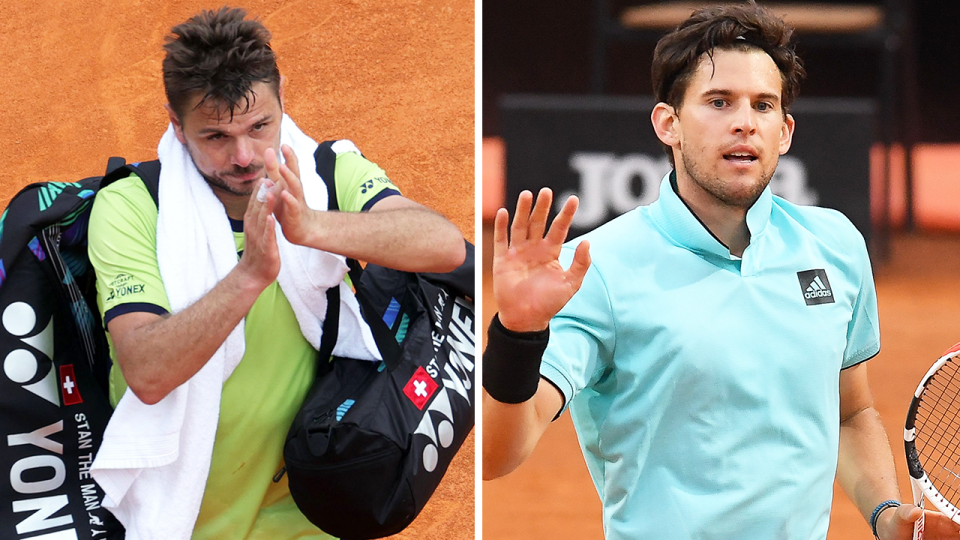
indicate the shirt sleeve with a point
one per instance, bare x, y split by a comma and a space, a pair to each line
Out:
360, 183
582, 335
122, 245
863, 331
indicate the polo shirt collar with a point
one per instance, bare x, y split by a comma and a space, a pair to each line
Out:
676, 219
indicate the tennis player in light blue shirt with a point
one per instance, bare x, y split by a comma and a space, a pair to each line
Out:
704, 386
711, 346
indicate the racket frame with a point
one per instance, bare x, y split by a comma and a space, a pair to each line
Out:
919, 481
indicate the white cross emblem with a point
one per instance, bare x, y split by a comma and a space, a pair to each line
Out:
420, 388
68, 385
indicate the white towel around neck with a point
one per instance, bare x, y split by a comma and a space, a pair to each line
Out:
155, 459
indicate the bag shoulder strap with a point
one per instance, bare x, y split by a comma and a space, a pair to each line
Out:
326, 160
147, 171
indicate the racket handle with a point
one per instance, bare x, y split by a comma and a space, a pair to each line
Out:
918, 501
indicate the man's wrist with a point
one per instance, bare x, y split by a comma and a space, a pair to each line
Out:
521, 325
511, 363
880, 512
312, 228
246, 281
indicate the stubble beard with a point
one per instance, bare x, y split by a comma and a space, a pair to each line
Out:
217, 183
721, 190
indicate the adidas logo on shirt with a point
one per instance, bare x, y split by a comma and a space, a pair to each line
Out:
816, 287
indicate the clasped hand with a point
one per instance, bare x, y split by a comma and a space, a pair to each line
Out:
282, 201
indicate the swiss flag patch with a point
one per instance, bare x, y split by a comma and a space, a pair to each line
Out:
420, 388
68, 386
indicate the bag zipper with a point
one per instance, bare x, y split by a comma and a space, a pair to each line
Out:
331, 407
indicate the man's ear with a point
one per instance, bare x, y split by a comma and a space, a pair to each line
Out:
177, 126
666, 124
786, 134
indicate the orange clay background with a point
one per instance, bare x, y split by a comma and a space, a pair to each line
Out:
551, 496
81, 81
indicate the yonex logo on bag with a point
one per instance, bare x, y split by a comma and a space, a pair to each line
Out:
43, 470
461, 362
816, 287
22, 365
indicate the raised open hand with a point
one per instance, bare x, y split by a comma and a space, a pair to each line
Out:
529, 284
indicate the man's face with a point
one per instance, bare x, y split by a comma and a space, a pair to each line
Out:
731, 128
229, 152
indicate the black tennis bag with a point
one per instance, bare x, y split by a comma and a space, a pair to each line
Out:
373, 439
53, 399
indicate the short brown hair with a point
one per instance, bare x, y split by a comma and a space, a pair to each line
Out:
219, 55
738, 27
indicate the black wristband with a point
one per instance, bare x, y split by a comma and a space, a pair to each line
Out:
511, 362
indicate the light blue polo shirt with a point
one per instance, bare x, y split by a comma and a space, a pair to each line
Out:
704, 387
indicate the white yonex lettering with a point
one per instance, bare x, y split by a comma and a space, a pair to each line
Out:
45, 472
43, 507
439, 427
37, 463
38, 438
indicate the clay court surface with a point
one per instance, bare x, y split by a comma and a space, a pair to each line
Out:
551, 496
81, 82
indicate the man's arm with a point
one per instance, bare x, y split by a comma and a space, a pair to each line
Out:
396, 232
530, 286
157, 353
866, 470
511, 431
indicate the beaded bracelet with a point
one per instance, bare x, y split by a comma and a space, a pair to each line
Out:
876, 514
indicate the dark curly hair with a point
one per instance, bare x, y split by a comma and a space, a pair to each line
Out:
221, 56
728, 27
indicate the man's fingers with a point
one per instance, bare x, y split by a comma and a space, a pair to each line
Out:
518, 232
257, 199
272, 165
910, 513
266, 208
291, 159
269, 242
500, 232
561, 224
289, 203
291, 182
541, 211
581, 263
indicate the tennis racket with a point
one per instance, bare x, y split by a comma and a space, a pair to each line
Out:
931, 438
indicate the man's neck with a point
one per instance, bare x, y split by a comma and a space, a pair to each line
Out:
235, 205
728, 224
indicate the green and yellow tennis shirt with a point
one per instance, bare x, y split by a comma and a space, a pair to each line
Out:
265, 391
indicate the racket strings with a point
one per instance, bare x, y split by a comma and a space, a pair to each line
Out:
938, 429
